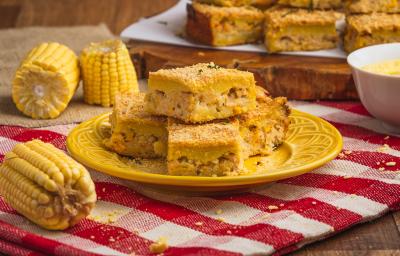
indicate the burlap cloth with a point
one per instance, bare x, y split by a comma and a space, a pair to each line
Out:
14, 45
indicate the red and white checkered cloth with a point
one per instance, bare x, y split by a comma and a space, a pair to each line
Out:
349, 190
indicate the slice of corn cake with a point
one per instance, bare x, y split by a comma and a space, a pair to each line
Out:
369, 29
264, 128
133, 131
200, 93
231, 3
212, 149
226, 3
293, 29
369, 6
312, 4
221, 26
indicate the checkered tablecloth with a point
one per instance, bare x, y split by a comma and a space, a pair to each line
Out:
358, 186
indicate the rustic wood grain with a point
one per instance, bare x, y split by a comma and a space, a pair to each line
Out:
379, 237
396, 217
117, 14
296, 77
9, 15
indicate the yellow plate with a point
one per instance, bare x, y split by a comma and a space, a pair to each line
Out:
311, 142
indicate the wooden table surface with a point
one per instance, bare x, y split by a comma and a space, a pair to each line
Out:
379, 237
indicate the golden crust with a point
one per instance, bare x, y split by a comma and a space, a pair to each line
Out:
243, 12
370, 29
283, 17
205, 135
130, 106
368, 23
262, 94
226, 3
312, 4
202, 76
133, 131
231, 3
293, 29
264, 128
221, 26
369, 6
274, 108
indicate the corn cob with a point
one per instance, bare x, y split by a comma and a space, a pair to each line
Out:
107, 69
46, 186
46, 81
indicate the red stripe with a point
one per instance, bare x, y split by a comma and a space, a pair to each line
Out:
113, 237
128, 242
261, 232
44, 135
11, 131
307, 207
28, 240
9, 248
197, 251
4, 207
375, 190
361, 133
350, 106
371, 159
21, 134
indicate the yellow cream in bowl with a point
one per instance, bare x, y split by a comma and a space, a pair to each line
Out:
389, 67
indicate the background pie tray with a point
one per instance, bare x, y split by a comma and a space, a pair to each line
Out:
311, 142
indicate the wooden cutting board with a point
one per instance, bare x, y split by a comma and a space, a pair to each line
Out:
296, 77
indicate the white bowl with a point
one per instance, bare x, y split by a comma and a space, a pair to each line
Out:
380, 94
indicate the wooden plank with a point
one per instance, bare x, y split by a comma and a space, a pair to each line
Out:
354, 253
379, 237
396, 217
117, 14
9, 15
296, 77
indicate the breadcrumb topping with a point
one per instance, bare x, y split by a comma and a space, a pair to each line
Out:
369, 23
228, 11
283, 16
202, 76
130, 105
211, 134
318, 4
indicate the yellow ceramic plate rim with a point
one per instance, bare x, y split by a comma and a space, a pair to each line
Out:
194, 181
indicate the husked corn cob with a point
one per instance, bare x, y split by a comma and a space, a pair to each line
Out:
46, 186
46, 81
107, 69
